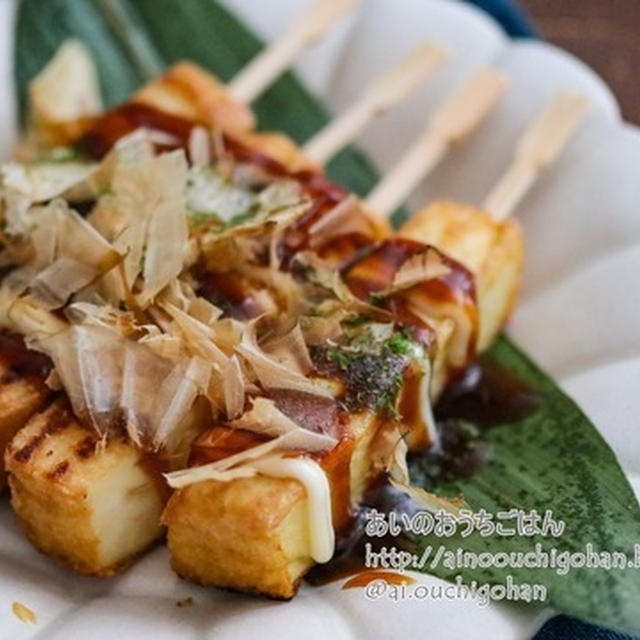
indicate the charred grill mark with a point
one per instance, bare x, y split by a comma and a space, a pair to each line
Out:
56, 421
59, 470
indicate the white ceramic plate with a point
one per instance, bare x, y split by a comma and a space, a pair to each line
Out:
577, 317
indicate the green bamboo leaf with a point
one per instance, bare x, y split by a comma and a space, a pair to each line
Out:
554, 459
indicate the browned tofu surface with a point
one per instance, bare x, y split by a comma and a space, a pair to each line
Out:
92, 506
491, 250
252, 534
188, 91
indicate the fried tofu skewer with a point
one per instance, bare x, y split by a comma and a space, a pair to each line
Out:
486, 240
392, 88
455, 119
34, 469
255, 527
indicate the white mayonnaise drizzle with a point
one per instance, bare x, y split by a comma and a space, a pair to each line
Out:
260, 460
313, 478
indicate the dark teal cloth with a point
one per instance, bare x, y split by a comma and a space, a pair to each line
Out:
509, 15
566, 628
514, 22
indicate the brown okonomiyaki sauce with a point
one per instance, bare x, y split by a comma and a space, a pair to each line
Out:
485, 395
318, 414
363, 578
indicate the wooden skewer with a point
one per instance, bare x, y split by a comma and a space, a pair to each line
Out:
455, 119
541, 143
316, 20
391, 88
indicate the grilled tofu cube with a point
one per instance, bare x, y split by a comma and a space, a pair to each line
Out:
92, 507
492, 250
252, 534
22, 389
188, 91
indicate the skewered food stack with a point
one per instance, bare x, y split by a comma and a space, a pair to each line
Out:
296, 438
60, 457
34, 468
